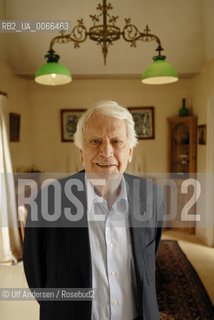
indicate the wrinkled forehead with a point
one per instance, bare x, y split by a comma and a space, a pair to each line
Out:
100, 124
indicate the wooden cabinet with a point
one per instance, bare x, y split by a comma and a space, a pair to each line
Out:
181, 166
182, 145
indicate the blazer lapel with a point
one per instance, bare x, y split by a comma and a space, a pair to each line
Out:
82, 240
85, 262
137, 220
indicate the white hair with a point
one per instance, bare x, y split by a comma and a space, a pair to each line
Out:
112, 109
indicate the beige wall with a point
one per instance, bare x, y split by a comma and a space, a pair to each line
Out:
203, 93
207, 8
16, 89
39, 106
50, 154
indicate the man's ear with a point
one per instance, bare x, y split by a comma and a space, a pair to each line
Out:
81, 155
130, 155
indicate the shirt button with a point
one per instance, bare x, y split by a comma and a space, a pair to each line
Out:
111, 245
115, 302
113, 273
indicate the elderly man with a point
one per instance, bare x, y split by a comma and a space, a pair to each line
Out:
108, 231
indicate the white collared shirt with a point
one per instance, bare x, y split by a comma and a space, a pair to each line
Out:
113, 274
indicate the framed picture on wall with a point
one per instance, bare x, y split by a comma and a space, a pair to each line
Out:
15, 119
202, 134
144, 121
69, 119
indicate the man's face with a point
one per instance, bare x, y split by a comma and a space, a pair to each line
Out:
105, 149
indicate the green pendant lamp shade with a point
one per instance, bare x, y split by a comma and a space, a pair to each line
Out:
52, 73
159, 72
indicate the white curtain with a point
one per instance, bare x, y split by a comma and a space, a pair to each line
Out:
10, 240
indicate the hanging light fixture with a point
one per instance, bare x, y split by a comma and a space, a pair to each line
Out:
159, 72
53, 73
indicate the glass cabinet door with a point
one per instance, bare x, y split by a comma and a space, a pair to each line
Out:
182, 145
180, 148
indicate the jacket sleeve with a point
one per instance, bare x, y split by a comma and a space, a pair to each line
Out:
34, 253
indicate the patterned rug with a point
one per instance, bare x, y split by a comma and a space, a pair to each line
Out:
181, 295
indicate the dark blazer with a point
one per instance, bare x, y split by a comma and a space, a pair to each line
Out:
58, 256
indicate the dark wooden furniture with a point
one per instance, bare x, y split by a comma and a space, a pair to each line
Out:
182, 144
181, 166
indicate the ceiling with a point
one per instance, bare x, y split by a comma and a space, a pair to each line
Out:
178, 23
